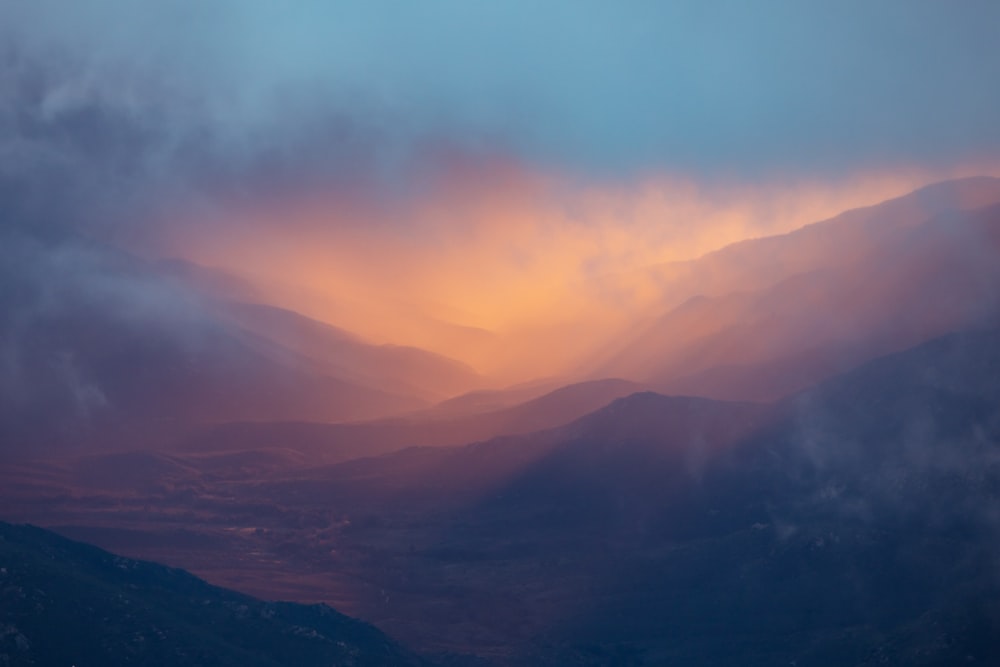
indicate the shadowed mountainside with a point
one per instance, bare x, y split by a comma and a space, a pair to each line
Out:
65, 602
102, 348
852, 523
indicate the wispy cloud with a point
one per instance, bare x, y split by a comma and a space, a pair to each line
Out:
701, 88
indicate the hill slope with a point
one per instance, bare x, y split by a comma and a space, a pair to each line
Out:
836, 294
65, 602
100, 345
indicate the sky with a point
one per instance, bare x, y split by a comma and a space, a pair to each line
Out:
703, 88
402, 169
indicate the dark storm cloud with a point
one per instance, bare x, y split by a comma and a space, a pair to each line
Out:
94, 145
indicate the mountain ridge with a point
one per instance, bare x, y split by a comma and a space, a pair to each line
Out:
71, 603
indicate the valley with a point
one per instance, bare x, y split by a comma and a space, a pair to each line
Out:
587, 540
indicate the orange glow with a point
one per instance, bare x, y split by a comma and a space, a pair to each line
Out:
518, 273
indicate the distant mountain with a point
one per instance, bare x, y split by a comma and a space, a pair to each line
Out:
99, 347
68, 603
491, 400
93, 369
432, 427
759, 263
207, 281
389, 368
827, 297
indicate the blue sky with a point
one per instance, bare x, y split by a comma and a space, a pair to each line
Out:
699, 87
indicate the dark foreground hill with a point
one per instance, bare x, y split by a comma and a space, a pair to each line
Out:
68, 603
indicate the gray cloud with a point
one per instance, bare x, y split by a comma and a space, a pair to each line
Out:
706, 87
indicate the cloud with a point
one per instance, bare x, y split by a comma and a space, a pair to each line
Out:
695, 87
910, 435
74, 314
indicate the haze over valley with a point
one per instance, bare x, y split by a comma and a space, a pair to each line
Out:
473, 355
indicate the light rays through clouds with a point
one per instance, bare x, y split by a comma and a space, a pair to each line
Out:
513, 272
492, 182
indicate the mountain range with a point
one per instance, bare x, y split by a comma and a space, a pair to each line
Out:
792, 459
